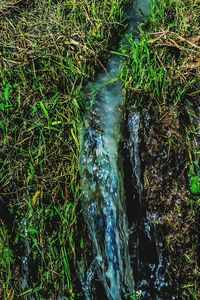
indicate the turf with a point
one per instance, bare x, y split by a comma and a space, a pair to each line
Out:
49, 50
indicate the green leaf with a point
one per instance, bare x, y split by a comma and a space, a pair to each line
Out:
74, 101
45, 112
32, 230
34, 108
2, 107
56, 123
7, 91
31, 173
195, 185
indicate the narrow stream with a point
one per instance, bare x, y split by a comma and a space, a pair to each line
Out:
105, 190
104, 197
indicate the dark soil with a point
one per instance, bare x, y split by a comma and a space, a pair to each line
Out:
164, 158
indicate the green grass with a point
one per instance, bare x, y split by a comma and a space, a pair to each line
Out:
49, 50
163, 61
163, 67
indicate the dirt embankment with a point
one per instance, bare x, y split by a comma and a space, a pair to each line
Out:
164, 155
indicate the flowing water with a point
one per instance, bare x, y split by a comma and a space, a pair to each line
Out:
102, 181
104, 198
127, 239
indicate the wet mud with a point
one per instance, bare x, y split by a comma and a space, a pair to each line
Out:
164, 159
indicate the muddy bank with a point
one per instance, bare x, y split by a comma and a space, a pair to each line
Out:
164, 158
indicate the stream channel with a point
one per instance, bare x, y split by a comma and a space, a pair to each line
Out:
128, 246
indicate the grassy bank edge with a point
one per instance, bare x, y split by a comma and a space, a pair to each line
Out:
162, 71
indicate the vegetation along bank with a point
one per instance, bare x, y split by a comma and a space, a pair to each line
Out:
49, 50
